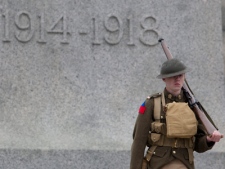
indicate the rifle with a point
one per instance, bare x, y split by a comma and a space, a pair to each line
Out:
193, 103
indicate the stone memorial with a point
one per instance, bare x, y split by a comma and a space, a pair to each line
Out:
74, 73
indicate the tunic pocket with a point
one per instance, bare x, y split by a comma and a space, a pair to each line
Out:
160, 151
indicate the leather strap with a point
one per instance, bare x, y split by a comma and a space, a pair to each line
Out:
148, 157
157, 108
150, 152
191, 156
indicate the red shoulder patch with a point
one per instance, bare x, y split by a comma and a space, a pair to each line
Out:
142, 109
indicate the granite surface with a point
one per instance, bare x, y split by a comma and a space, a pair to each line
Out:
88, 159
73, 74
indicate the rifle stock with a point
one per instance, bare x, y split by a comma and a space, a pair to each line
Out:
196, 106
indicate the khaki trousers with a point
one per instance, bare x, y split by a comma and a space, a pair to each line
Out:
175, 164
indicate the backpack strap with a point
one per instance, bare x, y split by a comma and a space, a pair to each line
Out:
163, 100
158, 102
157, 108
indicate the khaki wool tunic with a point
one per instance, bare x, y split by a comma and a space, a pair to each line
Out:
163, 155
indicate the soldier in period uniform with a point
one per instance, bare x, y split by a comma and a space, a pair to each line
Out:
151, 128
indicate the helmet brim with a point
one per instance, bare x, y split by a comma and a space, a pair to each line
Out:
161, 76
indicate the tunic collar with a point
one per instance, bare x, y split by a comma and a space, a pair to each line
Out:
171, 97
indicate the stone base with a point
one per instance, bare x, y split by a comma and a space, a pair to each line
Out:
75, 159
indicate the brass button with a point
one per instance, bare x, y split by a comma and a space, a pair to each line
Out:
169, 96
179, 96
154, 152
161, 117
174, 152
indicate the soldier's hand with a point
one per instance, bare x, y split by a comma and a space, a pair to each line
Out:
215, 137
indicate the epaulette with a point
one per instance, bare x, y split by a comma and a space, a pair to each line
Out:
154, 95
143, 107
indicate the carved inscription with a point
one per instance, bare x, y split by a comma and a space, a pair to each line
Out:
114, 27
23, 22
149, 25
27, 26
63, 31
6, 26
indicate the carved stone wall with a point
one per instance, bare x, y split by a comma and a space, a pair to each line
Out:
223, 26
74, 73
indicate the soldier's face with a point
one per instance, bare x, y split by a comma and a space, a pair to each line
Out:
175, 83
